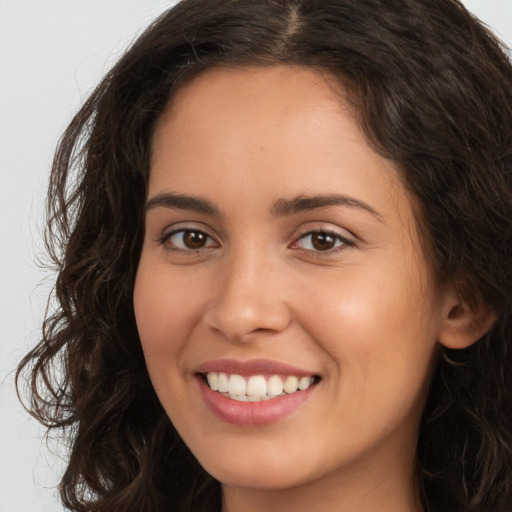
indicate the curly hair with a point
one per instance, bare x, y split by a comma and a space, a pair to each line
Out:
433, 91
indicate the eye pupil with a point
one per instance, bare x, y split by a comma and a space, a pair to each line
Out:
194, 239
323, 241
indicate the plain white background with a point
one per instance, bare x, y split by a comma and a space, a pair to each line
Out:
52, 53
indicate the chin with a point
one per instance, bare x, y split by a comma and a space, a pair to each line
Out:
245, 471
263, 478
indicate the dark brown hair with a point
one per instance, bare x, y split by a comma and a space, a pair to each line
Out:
433, 89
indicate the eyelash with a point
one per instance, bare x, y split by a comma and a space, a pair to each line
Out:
342, 242
166, 241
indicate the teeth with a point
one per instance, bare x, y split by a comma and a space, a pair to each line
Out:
304, 383
274, 386
237, 385
213, 380
291, 384
223, 383
256, 387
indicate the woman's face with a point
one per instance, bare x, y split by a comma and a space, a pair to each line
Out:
282, 251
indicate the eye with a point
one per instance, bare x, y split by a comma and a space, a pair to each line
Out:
188, 240
322, 241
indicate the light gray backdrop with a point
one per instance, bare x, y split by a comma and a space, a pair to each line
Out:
52, 53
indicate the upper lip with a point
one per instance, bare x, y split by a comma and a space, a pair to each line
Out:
252, 367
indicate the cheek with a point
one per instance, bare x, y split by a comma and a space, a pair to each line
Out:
165, 309
379, 334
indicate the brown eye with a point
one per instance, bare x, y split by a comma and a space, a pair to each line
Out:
194, 239
188, 240
322, 241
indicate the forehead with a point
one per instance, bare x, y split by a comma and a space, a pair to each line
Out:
255, 111
277, 131
255, 83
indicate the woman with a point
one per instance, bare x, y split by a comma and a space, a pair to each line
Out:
284, 281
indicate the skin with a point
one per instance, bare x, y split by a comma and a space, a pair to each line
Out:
366, 316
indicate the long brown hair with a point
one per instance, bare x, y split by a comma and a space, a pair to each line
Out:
433, 89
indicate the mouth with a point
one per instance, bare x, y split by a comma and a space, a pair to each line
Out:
255, 392
256, 388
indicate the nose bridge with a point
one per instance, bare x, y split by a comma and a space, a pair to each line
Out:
249, 295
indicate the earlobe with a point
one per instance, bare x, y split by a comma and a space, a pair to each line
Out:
463, 325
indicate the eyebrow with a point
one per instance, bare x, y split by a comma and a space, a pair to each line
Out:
182, 202
281, 208
284, 207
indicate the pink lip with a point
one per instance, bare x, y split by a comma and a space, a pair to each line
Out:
249, 414
252, 367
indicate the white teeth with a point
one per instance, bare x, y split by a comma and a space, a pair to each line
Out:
305, 382
237, 385
213, 380
240, 398
256, 387
253, 398
291, 384
274, 386
223, 383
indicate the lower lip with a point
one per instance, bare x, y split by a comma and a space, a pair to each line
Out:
250, 414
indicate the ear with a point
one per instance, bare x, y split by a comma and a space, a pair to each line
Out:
462, 324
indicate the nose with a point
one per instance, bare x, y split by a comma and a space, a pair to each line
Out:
249, 298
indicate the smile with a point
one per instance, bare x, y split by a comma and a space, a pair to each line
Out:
256, 392
256, 387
